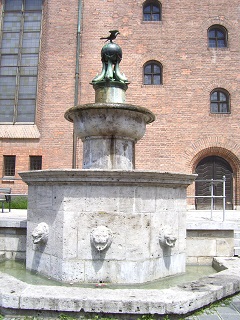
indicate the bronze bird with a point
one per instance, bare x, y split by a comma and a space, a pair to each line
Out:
113, 35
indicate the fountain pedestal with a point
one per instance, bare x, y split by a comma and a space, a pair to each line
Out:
107, 222
139, 208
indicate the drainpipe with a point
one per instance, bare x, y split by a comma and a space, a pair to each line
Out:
74, 156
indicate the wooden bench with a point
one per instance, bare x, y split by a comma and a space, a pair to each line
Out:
5, 197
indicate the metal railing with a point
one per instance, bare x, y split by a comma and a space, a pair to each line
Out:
212, 183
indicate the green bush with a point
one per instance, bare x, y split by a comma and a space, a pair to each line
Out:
18, 203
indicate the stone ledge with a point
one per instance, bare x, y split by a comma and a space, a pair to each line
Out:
17, 295
108, 177
210, 225
13, 223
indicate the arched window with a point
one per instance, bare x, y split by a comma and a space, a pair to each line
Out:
217, 37
219, 101
151, 11
153, 73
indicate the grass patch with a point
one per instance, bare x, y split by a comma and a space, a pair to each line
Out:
19, 203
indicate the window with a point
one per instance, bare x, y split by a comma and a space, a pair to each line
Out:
153, 73
9, 165
35, 162
19, 41
217, 37
219, 100
151, 11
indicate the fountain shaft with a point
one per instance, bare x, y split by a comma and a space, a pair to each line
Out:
109, 128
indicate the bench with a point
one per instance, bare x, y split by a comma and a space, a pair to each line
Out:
5, 197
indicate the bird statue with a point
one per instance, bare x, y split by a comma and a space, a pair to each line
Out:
113, 35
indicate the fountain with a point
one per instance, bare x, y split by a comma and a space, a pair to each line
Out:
107, 222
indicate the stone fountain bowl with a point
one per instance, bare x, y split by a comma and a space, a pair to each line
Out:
109, 119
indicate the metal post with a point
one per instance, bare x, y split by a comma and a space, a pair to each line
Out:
224, 196
78, 48
212, 185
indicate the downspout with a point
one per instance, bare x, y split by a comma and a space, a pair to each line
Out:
74, 156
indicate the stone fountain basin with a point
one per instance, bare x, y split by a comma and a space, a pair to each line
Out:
19, 297
109, 119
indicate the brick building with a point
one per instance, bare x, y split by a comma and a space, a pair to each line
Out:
182, 61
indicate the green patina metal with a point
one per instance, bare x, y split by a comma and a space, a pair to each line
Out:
111, 56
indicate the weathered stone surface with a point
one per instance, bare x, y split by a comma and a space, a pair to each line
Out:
134, 205
206, 240
182, 299
109, 132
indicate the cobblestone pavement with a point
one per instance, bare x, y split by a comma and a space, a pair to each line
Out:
228, 309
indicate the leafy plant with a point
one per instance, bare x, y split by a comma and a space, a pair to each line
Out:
63, 316
146, 317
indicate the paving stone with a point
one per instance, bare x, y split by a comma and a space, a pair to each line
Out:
236, 305
230, 317
227, 310
209, 317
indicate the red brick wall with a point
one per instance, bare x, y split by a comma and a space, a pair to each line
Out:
184, 131
55, 95
190, 72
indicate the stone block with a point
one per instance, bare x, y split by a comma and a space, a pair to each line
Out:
237, 234
117, 224
70, 236
68, 196
192, 260
201, 247
136, 206
36, 260
101, 199
73, 271
225, 247
19, 255
9, 255
138, 235
205, 261
133, 271
2, 243
126, 200
201, 239
181, 240
145, 200
44, 197
14, 243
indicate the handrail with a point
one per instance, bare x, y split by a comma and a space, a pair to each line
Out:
212, 196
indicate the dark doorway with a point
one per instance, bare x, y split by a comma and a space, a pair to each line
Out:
213, 168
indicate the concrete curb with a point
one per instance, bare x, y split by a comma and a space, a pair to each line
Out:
17, 296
